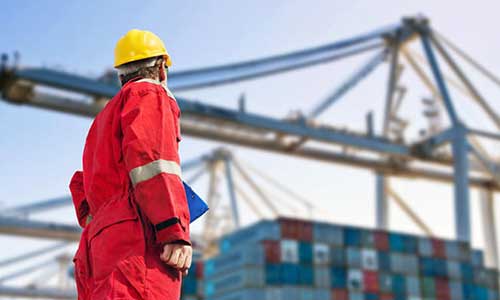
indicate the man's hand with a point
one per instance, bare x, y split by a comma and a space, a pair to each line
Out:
178, 256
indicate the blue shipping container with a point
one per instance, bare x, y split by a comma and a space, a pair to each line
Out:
352, 237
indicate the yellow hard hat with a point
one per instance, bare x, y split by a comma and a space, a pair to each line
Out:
137, 45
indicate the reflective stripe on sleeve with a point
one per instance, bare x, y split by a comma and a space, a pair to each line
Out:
150, 170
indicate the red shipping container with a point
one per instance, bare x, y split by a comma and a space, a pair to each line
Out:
386, 296
272, 251
295, 229
438, 248
442, 289
370, 281
199, 269
340, 294
381, 240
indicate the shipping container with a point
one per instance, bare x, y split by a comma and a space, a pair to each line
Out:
399, 242
385, 282
477, 258
480, 276
289, 274
321, 254
371, 296
433, 267
250, 277
319, 294
273, 274
424, 246
353, 257
493, 294
289, 251
305, 253
438, 248
242, 294
398, 285
316, 261
340, 294
367, 239
455, 287
396, 242
493, 279
306, 274
338, 277
199, 269
384, 261
413, 286
234, 260
296, 229
328, 233
356, 295
452, 250
404, 263
386, 296
453, 269
352, 237
370, 281
428, 287
381, 240
322, 276
338, 257
465, 250
440, 268
355, 280
272, 250
410, 244
466, 272
263, 230
442, 289
189, 286
369, 259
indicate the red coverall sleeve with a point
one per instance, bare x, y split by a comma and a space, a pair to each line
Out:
78, 196
151, 158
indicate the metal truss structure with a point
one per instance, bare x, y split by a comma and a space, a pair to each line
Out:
387, 153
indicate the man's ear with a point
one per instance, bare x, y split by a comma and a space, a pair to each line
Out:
120, 77
163, 74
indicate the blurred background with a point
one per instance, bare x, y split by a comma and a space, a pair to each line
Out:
350, 142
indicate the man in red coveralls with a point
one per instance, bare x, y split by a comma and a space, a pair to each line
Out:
129, 197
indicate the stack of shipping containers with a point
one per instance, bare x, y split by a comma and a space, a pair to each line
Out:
192, 284
291, 259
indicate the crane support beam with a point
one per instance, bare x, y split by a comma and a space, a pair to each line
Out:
232, 193
445, 95
38, 229
489, 228
365, 70
388, 168
382, 203
468, 84
460, 148
32, 254
37, 206
256, 122
231, 72
410, 212
37, 293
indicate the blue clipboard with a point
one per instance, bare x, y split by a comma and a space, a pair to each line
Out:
197, 207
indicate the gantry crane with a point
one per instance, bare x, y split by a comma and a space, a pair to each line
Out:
451, 154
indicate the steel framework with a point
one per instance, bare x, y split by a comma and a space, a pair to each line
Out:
385, 153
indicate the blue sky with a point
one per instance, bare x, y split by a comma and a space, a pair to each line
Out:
41, 149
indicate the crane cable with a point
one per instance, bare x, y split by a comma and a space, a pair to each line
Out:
468, 58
